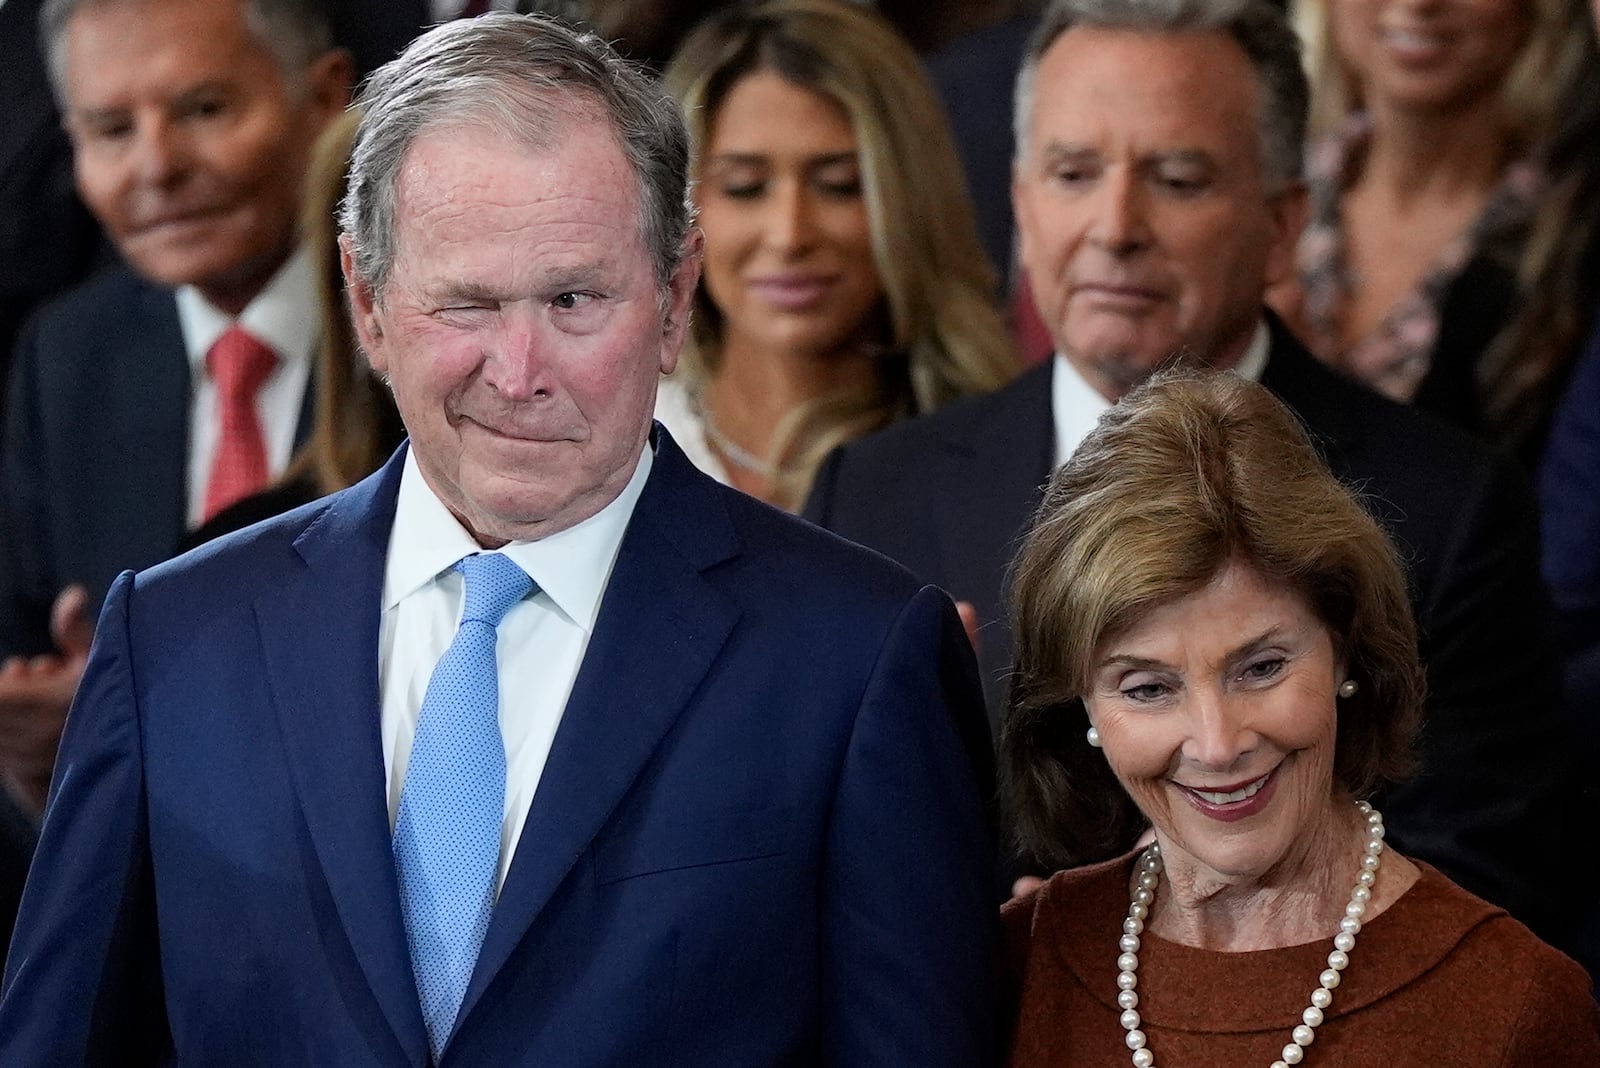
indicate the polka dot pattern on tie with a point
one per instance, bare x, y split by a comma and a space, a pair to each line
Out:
447, 832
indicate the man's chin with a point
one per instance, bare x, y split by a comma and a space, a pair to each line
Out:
1115, 370
223, 272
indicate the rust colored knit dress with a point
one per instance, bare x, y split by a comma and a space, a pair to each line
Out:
1439, 979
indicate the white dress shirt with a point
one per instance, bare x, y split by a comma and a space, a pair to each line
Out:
1076, 406
541, 640
284, 315
676, 411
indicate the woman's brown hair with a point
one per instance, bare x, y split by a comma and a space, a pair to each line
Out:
1189, 473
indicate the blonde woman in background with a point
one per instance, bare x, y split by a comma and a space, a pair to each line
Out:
844, 286
1427, 115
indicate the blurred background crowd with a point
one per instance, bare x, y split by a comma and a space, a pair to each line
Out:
888, 331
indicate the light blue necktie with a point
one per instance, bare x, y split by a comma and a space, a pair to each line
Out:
447, 833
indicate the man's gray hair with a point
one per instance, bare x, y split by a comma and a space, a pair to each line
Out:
525, 75
1260, 29
295, 32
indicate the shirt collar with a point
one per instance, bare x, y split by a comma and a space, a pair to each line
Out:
283, 315
1254, 360
1076, 406
571, 567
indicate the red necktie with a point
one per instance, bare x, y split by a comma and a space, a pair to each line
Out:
239, 364
473, 8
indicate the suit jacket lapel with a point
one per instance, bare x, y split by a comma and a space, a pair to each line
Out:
1322, 398
1003, 457
324, 681
660, 628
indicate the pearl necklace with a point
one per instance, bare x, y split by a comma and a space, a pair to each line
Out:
1150, 867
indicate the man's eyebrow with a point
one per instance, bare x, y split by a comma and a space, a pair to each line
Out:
453, 291
1060, 151
1197, 157
97, 115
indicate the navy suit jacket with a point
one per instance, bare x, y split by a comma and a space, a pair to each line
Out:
758, 839
951, 495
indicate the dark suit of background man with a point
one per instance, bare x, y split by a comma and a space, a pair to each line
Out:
191, 123
191, 131
1152, 214
702, 786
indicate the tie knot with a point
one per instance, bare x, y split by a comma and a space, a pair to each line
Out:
494, 583
240, 362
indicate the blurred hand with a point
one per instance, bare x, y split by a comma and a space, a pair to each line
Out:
1025, 885
35, 693
969, 620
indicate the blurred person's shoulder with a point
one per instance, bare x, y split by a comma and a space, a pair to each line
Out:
97, 304
965, 421
1347, 416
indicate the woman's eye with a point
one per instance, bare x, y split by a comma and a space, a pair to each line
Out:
743, 191
1145, 691
1263, 669
841, 189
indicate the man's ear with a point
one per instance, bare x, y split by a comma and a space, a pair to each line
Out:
363, 308
1290, 209
330, 82
680, 299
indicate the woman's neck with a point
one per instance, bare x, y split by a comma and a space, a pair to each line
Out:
1300, 900
1429, 157
755, 389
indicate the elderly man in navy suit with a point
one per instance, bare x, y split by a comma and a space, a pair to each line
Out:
537, 747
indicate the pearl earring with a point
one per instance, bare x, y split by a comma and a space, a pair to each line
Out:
1348, 688
1094, 737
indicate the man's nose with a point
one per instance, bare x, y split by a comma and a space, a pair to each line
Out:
160, 152
1119, 223
512, 364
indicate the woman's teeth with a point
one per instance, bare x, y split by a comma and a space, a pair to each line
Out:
1240, 794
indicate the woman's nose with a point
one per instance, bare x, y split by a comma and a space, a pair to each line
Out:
1219, 733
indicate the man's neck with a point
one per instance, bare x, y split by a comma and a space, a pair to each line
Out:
233, 291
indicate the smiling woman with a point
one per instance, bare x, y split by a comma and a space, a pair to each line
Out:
844, 285
1429, 123
1214, 646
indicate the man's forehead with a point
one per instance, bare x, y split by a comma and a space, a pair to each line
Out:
1170, 91
449, 164
161, 47
572, 203
1118, 64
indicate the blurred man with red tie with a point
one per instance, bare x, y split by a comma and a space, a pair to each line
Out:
155, 395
